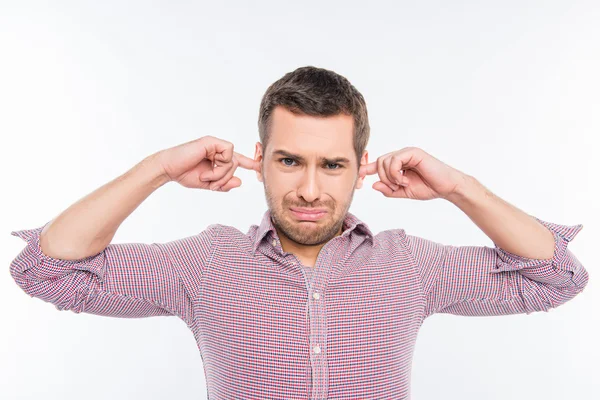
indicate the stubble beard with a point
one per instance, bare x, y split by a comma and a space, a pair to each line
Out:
319, 232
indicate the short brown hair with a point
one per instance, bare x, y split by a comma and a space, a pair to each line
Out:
318, 92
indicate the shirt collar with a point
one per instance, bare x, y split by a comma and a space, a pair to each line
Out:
351, 223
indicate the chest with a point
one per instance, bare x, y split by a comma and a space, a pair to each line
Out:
269, 304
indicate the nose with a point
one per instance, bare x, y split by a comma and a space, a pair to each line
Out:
309, 186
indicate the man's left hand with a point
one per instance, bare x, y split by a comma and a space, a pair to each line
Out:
412, 173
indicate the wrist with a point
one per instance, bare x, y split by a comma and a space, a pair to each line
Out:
153, 171
466, 189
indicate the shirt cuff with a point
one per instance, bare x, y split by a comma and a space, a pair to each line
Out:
563, 234
32, 256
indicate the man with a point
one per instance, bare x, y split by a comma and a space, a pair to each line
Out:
309, 304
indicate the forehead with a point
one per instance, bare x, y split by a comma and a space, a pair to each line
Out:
309, 135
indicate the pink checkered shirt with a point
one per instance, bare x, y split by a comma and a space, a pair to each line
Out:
264, 331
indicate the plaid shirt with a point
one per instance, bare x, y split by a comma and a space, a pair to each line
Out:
265, 331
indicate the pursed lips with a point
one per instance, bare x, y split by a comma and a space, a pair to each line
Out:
308, 214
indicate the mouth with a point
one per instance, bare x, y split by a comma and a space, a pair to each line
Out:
308, 214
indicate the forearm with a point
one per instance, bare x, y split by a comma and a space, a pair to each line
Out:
510, 228
88, 226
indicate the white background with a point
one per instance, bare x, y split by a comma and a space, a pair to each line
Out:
505, 91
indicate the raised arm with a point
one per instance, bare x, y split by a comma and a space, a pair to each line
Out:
528, 269
70, 262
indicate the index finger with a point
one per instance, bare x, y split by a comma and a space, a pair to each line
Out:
246, 162
368, 169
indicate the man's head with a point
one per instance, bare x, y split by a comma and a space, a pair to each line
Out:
313, 128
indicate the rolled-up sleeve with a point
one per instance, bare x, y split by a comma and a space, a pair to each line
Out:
486, 281
125, 280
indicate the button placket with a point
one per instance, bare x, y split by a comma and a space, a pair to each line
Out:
317, 328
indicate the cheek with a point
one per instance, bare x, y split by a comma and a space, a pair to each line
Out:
338, 188
340, 184
281, 183
277, 186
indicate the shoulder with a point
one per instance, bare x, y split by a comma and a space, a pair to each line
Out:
390, 237
230, 238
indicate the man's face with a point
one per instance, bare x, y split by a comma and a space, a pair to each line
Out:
309, 163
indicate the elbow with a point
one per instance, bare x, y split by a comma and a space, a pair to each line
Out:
580, 281
28, 278
24, 275
538, 296
567, 294
68, 291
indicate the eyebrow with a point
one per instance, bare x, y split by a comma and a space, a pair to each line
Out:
302, 159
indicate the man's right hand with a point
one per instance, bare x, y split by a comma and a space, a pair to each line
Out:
205, 163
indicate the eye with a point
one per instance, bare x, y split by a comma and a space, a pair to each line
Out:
336, 165
287, 159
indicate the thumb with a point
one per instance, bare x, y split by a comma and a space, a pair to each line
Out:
231, 184
389, 192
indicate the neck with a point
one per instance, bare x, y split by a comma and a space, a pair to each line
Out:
307, 254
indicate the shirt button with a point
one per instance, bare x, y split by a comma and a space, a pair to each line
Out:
274, 243
317, 349
316, 296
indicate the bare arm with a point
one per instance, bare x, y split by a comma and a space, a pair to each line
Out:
80, 270
507, 226
88, 226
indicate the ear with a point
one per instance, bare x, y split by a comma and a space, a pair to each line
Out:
258, 156
364, 160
